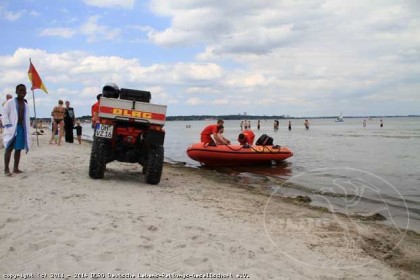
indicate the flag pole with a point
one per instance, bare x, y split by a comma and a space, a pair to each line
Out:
33, 98
36, 123
36, 84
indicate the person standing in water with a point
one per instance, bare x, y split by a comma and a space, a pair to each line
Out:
306, 124
382, 124
290, 125
276, 125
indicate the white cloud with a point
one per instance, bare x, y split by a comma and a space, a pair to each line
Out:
125, 4
94, 31
201, 90
58, 32
87, 92
14, 16
97, 32
266, 90
266, 27
244, 27
246, 80
221, 102
294, 57
34, 13
195, 101
11, 16
11, 76
160, 96
79, 76
195, 71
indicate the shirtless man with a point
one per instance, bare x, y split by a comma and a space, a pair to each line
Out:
306, 124
219, 138
58, 121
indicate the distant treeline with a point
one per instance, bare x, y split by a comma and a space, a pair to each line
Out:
224, 117
238, 117
198, 118
82, 118
259, 117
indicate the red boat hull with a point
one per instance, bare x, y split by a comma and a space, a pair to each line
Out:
237, 154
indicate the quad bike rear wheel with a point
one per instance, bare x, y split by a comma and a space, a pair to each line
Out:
97, 163
153, 167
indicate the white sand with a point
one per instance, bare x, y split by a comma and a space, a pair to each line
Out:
55, 219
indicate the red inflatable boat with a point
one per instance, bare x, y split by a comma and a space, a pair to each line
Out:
237, 154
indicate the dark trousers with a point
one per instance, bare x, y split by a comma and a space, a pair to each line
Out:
68, 127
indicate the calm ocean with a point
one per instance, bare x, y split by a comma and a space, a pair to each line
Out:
340, 165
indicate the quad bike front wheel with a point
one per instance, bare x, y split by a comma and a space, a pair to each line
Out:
154, 166
98, 154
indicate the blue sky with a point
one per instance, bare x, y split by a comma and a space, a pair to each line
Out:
267, 57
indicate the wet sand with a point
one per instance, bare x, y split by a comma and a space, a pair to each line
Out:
55, 219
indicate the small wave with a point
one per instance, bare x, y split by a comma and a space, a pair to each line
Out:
174, 162
378, 136
399, 136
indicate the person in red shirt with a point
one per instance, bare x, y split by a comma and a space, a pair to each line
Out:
95, 111
209, 130
246, 137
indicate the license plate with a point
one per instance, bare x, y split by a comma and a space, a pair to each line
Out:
104, 131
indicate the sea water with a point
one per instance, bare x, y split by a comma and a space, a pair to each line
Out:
343, 166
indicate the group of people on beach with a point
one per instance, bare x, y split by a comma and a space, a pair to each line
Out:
16, 127
63, 123
15, 122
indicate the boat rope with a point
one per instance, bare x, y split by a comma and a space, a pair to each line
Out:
230, 147
265, 149
258, 149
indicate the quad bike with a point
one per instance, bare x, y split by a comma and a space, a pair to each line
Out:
130, 129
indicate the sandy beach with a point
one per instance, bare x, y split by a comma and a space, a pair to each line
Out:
57, 221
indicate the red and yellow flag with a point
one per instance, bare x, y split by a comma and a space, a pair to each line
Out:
35, 79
